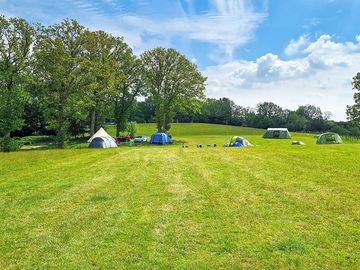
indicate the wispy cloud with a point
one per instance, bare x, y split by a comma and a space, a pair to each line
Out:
226, 24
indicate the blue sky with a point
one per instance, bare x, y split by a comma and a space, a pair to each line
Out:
291, 52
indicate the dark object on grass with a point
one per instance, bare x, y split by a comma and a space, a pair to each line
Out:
120, 139
297, 143
208, 145
215, 145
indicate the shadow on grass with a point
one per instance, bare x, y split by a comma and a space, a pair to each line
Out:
147, 144
32, 143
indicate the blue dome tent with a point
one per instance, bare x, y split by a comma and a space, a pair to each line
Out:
160, 138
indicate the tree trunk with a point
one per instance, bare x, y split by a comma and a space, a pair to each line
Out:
158, 125
116, 110
158, 122
164, 122
92, 123
118, 127
6, 142
61, 131
61, 138
159, 117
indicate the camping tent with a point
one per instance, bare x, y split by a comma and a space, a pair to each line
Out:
100, 133
277, 133
102, 142
329, 138
160, 138
238, 141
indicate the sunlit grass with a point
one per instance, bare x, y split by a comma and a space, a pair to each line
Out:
269, 206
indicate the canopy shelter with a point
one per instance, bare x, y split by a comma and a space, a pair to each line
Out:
160, 138
329, 138
102, 142
277, 133
238, 141
100, 133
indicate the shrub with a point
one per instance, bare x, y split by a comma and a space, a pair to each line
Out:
131, 129
8, 144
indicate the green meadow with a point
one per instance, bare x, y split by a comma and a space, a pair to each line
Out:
270, 206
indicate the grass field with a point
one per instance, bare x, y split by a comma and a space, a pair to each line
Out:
271, 206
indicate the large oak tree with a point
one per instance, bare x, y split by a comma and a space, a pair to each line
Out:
172, 80
97, 72
59, 52
16, 38
128, 85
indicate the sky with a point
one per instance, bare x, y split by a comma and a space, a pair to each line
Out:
291, 52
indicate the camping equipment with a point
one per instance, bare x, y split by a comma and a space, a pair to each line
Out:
277, 133
160, 138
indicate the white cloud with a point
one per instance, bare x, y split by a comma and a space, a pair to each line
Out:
295, 46
322, 76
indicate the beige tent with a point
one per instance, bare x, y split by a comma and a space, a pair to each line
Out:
100, 133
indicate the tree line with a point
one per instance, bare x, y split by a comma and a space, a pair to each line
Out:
64, 78
306, 118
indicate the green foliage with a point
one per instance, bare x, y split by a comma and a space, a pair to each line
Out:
172, 81
12, 109
143, 111
296, 121
16, 38
71, 79
353, 111
218, 110
131, 128
8, 144
310, 112
34, 120
128, 85
101, 55
58, 53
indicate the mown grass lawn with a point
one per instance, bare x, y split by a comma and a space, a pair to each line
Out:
271, 206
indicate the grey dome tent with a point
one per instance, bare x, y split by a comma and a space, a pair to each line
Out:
277, 133
102, 142
329, 138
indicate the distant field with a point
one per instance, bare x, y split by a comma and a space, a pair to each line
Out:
271, 206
